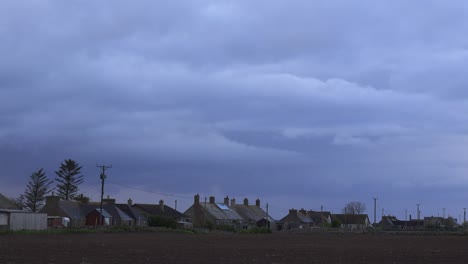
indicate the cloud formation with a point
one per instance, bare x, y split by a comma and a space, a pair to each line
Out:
319, 101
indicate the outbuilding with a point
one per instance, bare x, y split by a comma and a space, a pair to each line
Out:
22, 220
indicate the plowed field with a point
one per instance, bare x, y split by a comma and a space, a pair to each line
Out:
227, 248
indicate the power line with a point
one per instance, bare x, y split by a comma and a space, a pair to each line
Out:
152, 192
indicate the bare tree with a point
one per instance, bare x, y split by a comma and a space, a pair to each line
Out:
354, 208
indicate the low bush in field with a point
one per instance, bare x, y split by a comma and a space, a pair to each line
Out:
158, 221
256, 230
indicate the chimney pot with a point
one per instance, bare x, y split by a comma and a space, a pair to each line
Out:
130, 202
257, 202
212, 199
246, 201
196, 199
233, 202
226, 200
161, 205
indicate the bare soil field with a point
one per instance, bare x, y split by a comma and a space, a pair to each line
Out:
231, 248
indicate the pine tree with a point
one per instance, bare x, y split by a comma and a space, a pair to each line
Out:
68, 179
36, 190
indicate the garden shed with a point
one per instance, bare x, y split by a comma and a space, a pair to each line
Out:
22, 220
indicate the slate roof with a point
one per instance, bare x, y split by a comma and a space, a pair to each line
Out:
351, 219
155, 209
220, 214
304, 218
120, 214
5, 203
131, 211
318, 217
104, 212
251, 212
71, 208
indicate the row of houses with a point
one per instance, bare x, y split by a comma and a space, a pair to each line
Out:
432, 222
227, 213
84, 213
308, 219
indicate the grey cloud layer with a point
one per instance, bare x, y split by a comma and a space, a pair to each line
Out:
348, 94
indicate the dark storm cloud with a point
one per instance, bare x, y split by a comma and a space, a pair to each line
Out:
271, 99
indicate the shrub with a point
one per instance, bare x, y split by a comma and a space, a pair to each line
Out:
257, 230
228, 228
335, 223
159, 221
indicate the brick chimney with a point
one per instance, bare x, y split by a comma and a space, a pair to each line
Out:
129, 202
233, 202
293, 211
196, 199
246, 201
226, 200
257, 202
303, 211
212, 199
161, 205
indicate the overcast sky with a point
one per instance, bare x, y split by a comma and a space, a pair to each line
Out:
298, 103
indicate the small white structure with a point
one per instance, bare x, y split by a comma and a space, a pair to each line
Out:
22, 220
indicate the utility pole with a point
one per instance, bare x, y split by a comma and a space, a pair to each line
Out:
406, 214
103, 177
204, 216
345, 220
418, 212
382, 212
375, 210
464, 215
175, 205
267, 216
443, 213
321, 213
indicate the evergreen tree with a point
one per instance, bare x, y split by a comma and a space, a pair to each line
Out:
36, 190
68, 179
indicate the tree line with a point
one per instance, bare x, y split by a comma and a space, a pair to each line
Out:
68, 178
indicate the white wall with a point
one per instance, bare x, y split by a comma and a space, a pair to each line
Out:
3, 219
28, 221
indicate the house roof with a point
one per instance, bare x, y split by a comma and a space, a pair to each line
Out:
251, 212
71, 208
296, 216
218, 213
156, 209
6, 203
351, 219
318, 217
119, 213
133, 212
104, 212
14, 211
112, 209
